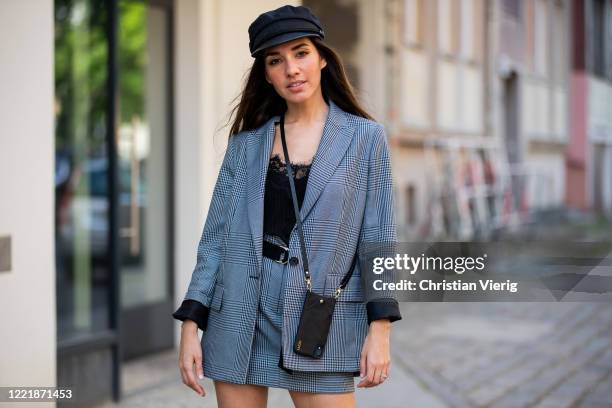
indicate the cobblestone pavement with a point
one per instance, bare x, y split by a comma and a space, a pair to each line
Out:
155, 382
509, 354
453, 355
470, 355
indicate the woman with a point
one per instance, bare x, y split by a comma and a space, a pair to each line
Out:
247, 289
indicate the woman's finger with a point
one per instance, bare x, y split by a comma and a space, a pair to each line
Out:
384, 375
188, 371
190, 361
199, 370
189, 374
384, 370
376, 376
195, 385
371, 374
182, 371
363, 368
365, 371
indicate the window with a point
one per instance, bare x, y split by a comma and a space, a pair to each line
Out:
540, 38
512, 8
445, 27
529, 34
608, 36
471, 29
413, 22
82, 205
597, 34
467, 28
559, 44
479, 29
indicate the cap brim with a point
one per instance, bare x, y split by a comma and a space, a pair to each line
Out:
283, 38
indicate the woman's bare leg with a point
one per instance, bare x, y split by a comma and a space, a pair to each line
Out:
240, 395
316, 400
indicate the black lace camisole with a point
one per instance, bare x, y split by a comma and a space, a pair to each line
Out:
279, 218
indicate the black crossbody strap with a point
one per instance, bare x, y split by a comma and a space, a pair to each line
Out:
298, 219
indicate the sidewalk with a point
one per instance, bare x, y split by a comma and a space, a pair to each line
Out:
492, 355
453, 355
510, 354
155, 382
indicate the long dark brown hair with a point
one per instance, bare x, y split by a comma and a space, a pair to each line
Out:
259, 100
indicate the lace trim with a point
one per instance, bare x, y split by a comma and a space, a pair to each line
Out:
299, 169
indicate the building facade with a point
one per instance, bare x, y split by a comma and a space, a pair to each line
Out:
437, 108
474, 96
114, 128
533, 57
420, 68
589, 154
113, 134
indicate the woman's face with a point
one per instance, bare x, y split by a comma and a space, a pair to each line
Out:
294, 69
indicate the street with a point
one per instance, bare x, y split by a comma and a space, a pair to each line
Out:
455, 355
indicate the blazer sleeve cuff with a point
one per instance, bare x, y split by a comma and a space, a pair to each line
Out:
193, 310
383, 309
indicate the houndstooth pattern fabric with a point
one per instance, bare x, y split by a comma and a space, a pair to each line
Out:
263, 364
348, 200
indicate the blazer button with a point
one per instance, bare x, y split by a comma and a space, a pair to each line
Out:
294, 261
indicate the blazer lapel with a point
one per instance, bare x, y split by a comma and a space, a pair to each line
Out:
334, 142
332, 147
259, 149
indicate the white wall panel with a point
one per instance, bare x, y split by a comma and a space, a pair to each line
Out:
415, 89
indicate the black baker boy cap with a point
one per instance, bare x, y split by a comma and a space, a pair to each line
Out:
284, 24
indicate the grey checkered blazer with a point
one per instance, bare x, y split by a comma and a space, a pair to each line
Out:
348, 200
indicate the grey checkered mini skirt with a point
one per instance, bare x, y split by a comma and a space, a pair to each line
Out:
264, 362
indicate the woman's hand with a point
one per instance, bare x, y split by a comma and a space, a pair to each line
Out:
190, 354
375, 355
